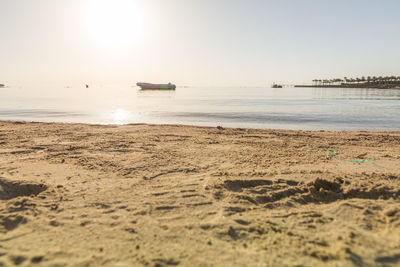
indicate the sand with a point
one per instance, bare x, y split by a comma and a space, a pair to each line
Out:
161, 195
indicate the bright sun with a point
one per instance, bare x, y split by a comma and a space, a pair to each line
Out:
113, 23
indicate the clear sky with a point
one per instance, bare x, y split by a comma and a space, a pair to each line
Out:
197, 42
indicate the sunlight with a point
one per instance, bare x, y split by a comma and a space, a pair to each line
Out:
114, 23
119, 116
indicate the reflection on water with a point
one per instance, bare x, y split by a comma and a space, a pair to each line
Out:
120, 116
156, 93
357, 93
288, 108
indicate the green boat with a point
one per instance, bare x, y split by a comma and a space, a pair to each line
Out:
152, 86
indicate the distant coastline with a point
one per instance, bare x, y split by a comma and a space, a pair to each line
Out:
351, 86
388, 82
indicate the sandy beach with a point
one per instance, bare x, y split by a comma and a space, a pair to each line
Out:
163, 195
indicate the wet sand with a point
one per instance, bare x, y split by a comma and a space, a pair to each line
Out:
152, 195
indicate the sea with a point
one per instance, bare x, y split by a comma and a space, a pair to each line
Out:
240, 107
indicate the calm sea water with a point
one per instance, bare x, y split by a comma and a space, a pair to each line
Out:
284, 108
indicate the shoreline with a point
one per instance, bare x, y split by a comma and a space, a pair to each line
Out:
202, 126
161, 195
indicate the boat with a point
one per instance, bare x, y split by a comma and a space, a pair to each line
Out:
276, 85
2, 85
152, 86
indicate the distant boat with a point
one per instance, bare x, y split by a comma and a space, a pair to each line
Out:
152, 86
276, 85
2, 85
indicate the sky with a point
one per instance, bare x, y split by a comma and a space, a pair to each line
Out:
196, 42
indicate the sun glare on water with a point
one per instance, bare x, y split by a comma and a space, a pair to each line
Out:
114, 23
119, 116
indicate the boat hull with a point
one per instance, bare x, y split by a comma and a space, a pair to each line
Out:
152, 86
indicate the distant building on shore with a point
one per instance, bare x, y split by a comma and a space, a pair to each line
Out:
274, 85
